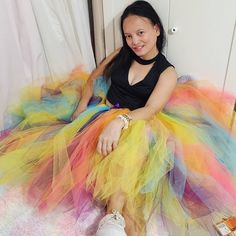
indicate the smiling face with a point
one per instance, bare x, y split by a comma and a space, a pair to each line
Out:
141, 36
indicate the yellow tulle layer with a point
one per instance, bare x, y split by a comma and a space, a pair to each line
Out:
180, 164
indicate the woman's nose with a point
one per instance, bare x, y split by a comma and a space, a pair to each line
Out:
135, 40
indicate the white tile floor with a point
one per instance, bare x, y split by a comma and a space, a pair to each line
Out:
16, 219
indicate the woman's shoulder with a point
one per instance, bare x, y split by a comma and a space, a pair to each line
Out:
163, 63
163, 58
166, 68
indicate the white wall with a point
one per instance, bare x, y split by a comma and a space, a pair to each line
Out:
204, 45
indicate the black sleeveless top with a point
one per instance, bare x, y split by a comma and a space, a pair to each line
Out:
124, 95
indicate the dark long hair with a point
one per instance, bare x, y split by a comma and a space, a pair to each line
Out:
124, 57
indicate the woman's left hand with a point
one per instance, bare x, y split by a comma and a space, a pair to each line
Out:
109, 138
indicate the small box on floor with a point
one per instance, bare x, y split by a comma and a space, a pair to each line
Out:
227, 227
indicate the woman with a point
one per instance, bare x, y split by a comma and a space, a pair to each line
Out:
143, 41
147, 147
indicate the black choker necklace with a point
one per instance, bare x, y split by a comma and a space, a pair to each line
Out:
145, 62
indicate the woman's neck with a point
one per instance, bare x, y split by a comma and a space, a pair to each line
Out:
144, 61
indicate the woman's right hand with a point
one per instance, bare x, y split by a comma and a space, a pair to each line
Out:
109, 137
79, 109
88, 92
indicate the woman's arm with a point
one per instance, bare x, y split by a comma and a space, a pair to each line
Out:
109, 138
88, 91
159, 97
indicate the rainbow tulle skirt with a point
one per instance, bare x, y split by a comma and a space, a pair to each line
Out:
177, 168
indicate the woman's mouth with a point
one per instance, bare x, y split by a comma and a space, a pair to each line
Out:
138, 48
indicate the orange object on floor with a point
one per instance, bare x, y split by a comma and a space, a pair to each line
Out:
231, 223
227, 226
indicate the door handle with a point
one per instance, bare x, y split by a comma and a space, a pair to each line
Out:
173, 30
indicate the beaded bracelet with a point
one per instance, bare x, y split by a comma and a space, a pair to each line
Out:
126, 119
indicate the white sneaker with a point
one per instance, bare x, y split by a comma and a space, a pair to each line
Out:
111, 225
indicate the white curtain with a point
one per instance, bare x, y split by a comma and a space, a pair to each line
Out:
38, 39
106, 17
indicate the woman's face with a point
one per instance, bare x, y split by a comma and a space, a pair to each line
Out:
141, 36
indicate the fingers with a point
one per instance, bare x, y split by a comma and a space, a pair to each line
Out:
74, 116
99, 146
106, 146
114, 145
77, 112
104, 149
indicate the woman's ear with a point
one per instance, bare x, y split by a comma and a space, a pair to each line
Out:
157, 29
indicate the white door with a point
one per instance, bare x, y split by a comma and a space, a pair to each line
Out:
201, 42
230, 81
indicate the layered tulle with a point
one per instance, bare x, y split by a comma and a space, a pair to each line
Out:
177, 166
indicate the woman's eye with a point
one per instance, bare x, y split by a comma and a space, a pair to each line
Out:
127, 36
141, 32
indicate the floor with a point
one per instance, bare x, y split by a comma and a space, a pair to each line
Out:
17, 219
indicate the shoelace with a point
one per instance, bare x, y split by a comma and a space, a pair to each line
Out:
115, 215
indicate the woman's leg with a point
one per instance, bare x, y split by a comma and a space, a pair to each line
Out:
113, 223
116, 202
131, 227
